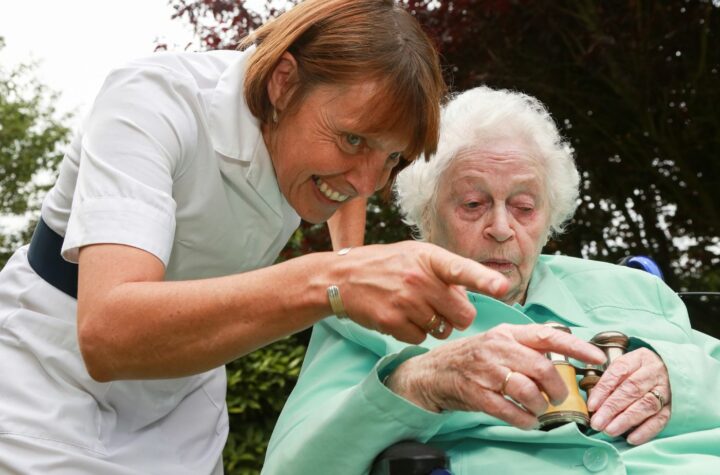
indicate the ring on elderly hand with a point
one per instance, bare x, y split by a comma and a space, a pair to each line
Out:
659, 397
432, 324
440, 328
505, 383
336, 303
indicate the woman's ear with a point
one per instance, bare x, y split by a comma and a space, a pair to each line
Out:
282, 80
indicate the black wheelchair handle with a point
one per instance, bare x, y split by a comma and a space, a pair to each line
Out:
411, 458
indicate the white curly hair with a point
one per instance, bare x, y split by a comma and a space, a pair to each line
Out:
480, 116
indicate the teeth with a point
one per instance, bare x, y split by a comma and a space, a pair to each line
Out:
329, 192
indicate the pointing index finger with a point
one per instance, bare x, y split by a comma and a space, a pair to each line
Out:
457, 270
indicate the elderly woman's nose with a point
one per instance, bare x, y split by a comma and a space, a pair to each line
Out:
498, 226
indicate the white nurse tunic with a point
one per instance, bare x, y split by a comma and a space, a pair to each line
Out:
171, 161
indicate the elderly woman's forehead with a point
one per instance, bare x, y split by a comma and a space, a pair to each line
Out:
495, 166
508, 154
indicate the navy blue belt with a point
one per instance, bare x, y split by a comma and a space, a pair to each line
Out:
45, 259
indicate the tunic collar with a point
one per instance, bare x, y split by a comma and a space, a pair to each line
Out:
236, 135
233, 128
548, 291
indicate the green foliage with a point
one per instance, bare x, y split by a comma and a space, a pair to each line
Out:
31, 140
634, 86
258, 385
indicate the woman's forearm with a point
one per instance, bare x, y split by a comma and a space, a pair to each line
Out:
148, 330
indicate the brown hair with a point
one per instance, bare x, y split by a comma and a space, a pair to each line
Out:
345, 42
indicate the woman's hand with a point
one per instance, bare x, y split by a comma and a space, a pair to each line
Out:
410, 288
623, 399
471, 374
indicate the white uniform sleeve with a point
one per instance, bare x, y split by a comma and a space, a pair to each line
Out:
141, 127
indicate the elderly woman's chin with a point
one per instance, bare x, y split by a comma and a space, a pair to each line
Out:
514, 273
515, 294
518, 285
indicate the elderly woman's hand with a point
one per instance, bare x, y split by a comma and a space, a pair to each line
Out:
476, 373
410, 289
634, 393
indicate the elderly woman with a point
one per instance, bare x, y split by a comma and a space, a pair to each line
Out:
502, 182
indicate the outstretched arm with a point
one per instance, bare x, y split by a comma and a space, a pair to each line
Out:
134, 325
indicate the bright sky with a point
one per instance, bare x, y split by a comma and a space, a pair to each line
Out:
79, 41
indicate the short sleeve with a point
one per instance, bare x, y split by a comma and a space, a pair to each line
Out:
140, 129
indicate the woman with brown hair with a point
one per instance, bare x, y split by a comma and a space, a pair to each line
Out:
152, 264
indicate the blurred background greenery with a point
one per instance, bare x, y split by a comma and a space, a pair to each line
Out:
634, 85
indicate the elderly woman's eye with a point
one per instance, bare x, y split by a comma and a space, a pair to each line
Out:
354, 140
472, 204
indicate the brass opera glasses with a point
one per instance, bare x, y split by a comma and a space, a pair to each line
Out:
573, 408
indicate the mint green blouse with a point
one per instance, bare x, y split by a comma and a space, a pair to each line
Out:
340, 415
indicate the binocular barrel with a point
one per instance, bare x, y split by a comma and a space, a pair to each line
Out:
574, 408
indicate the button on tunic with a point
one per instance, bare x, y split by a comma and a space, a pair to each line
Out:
595, 459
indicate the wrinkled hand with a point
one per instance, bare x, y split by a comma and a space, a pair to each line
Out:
468, 374
397, 288
622, 399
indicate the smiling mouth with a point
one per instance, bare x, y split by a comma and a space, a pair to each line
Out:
328, 192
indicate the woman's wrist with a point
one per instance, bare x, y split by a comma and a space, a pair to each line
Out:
327, 269
409, 382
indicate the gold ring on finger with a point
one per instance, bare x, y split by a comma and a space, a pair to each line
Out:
659, 397
440, 328
505, 382
432, 324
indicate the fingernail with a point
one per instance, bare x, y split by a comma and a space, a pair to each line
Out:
598, 422
591, 403
495, 286
558, 401
612, 429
